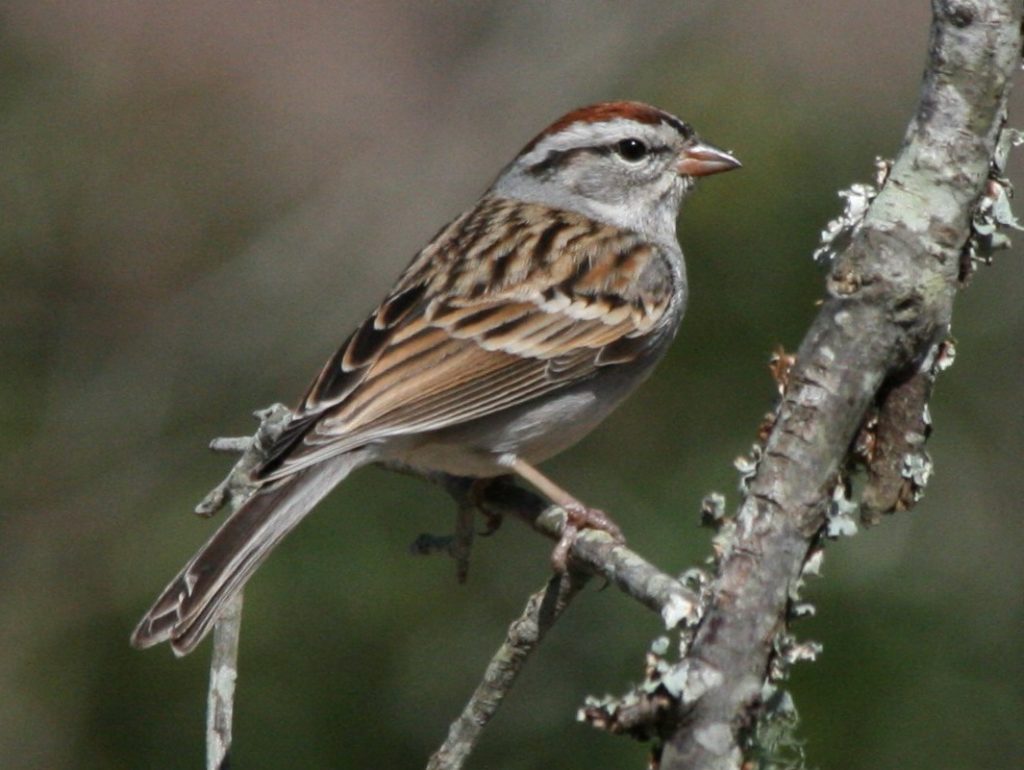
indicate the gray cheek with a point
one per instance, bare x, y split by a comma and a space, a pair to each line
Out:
603, 183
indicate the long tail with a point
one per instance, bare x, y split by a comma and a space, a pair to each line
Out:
189, 606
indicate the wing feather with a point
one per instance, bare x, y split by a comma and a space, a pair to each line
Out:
458, 339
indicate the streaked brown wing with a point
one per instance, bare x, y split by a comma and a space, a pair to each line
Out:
442, 351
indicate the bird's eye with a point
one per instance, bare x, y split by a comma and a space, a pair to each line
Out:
632, 150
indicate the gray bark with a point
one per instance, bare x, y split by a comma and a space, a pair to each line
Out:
890, 300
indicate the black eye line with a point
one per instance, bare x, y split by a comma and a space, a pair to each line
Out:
556, 158
553, 159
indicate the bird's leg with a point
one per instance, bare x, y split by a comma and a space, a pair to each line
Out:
477, 495
578, 515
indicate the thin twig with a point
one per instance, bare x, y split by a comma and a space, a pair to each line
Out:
524, 634
597, 553
223, 674
592, 552
233, 490
237, 485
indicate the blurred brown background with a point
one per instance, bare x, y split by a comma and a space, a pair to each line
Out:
198, 200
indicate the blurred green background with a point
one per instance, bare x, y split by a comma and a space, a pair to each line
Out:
197, 202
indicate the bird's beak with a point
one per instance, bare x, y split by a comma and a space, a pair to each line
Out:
700, 159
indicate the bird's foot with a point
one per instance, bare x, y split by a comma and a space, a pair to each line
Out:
580, 517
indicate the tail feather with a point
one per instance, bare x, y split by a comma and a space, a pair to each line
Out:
188, 607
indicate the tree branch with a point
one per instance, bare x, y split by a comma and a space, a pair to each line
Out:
890, 301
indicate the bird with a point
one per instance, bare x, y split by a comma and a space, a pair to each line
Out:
508, 337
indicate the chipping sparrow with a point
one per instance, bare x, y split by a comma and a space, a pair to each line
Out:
508, 338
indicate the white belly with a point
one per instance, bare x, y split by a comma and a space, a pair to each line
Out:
534, 431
